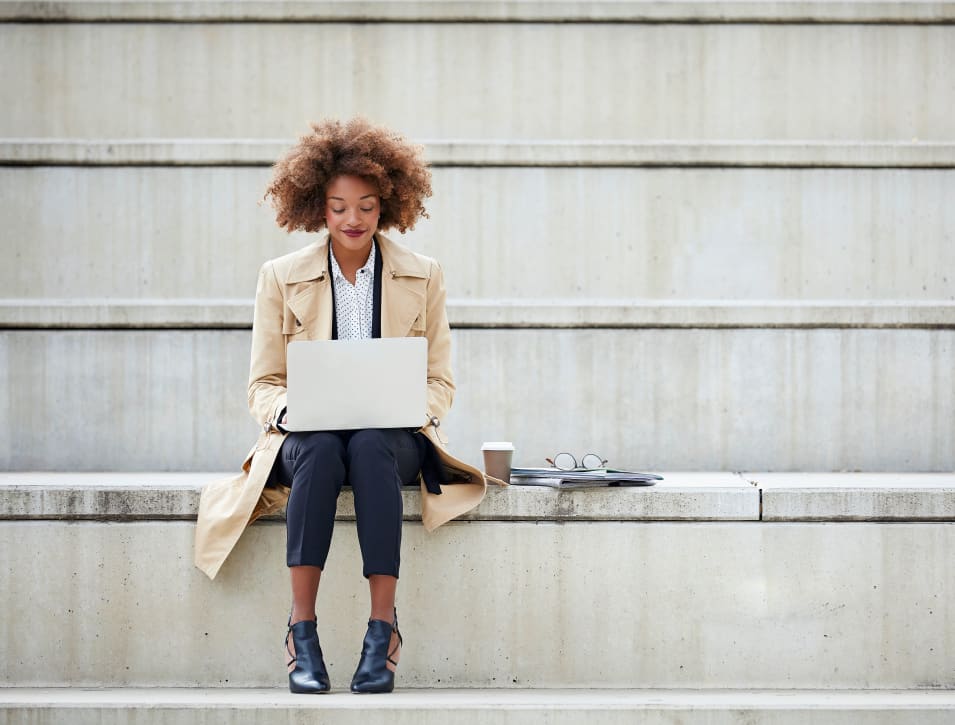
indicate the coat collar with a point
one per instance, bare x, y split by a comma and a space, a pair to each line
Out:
402, 294
397, 261
310, 263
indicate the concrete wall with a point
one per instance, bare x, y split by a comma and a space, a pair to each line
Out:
771, 227
613, 604
484, 80
149, 706
525, 233
694, 399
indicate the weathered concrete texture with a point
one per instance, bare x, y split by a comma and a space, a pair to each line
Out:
481, 11
106, 313
670, 234
157, 496
856, 496
119, 401
613, 604
476, 707
497, 152
679, 497
651, 81
645, 399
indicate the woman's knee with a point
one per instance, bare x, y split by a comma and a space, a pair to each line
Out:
318, 456
371, 441
321, 444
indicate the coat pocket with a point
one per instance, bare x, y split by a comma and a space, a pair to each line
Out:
419, 328
291, 325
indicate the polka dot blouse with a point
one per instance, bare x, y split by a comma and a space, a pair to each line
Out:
354, 303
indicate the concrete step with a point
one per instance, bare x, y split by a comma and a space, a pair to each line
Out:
40, 496
680, 496
676, 586
661, 233
690, 399
473, 11
155, 706
603, 80
521, 153
104, 313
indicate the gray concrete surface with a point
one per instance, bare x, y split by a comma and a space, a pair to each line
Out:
650, 399
165, 496
497, 152
913, 11
477, 707
855, 496
681, 496
610, 81
189, 313
497, 604
669, 234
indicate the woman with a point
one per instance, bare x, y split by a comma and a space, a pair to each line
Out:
353, 180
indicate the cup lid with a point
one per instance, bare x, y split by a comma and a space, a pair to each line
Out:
497, 446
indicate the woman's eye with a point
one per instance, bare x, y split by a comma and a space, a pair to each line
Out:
367, 210
338, 211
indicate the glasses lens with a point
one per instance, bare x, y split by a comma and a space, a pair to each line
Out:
565, 462
592, 460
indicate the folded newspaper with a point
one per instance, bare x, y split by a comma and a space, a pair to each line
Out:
581, 478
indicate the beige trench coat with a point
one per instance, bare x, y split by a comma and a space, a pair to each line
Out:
293, 301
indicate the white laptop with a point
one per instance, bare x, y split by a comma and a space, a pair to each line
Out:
350, 384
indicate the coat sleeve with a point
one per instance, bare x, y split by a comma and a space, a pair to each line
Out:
440, 378
267, 372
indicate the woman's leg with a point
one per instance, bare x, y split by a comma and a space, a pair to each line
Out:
379, 463
305, 581
313, 463
383, 589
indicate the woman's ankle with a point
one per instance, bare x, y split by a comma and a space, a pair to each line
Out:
302, 615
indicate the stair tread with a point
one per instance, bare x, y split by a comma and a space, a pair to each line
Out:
681, 496
482, 698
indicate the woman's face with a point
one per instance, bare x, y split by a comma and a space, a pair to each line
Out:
352, 209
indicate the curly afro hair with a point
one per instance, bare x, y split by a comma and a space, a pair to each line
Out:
355, 148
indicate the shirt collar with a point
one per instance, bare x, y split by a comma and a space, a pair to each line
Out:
368, 266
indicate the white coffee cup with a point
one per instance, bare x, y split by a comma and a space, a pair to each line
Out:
497, 459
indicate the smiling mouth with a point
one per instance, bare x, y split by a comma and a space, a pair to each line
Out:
353, 232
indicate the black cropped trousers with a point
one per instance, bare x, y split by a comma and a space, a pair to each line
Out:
377, 462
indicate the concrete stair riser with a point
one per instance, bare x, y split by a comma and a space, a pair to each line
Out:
613, 604
563, 80
743, 234
650, 399
481, 11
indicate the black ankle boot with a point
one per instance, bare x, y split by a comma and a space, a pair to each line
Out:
309, 675
373, 674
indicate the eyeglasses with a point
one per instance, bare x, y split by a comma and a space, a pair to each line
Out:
567, 462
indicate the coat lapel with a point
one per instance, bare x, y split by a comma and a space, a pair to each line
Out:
403, 290
309, 296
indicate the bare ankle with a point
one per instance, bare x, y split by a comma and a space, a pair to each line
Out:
302, 616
